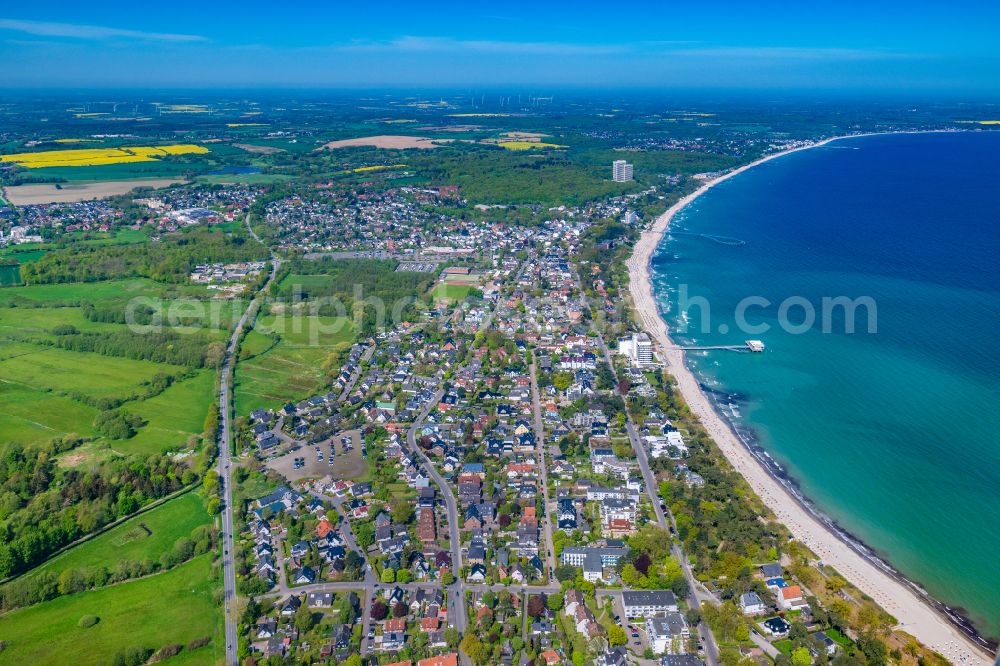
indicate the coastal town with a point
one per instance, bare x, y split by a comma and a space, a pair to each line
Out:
393, 400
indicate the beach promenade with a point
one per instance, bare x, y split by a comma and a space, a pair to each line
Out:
916, 614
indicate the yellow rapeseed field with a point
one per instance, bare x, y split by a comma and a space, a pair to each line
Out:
377, 168
527, 145
99, 156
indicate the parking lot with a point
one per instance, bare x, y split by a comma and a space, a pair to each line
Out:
305, 462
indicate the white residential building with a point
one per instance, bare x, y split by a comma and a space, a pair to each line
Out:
667, 634
621, 171
638, 348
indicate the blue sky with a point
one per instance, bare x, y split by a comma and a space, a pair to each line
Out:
893, 46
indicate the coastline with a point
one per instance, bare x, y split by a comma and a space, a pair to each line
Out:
934, 624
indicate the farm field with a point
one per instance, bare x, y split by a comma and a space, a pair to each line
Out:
528, 145
387, 141
172, 607
293, 368
143, 537
43, 193
74, 157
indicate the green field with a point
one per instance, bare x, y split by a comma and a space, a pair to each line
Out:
76, 292
31, 377
94, 375
246, 178
10, 275
295, 367
123, 171
171, 607
37, 381
34, 417
451, 292
143, 537
173, 417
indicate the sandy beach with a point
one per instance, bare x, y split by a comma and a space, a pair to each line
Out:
915, 613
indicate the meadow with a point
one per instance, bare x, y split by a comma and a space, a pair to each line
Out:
47, 391
295, 367
174, 607
144, 537
74, 293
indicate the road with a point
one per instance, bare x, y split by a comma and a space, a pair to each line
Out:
224, 465
451, 505
346, 393
536, 405
649, 480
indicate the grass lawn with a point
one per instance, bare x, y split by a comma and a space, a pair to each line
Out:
294, 368
145, 536
784, 645
172, 607
837, 637
172, 417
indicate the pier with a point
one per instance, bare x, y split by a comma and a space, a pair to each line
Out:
755, 346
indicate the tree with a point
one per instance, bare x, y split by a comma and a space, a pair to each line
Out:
629, 575
402, 511
304, 619
400, 609
475, 649
801, 657
451, 637
565, 572
616, 636
403, 576
379, 611
364, 534
388, 575
554, 602
562, 380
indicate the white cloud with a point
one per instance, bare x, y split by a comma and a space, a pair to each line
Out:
413, 44
46, 29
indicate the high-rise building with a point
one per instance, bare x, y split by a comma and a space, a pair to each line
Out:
621, 171
631, 218
638, 348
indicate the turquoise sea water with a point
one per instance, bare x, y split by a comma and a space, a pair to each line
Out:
894, 434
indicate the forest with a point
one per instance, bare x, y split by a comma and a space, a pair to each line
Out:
43, 506
170, 259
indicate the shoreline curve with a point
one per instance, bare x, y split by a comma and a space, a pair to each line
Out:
933, 623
